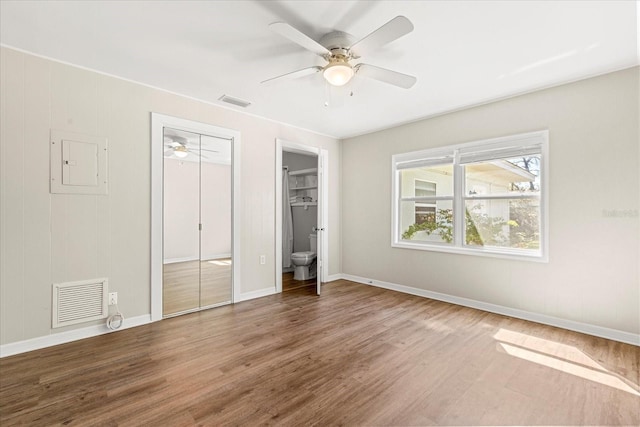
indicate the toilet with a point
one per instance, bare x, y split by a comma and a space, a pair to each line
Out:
305, 262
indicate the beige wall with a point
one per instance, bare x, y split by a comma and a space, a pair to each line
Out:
592, 276
195, 192
58, 238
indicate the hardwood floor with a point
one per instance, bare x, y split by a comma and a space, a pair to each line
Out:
357, 355
288, 284
186, 287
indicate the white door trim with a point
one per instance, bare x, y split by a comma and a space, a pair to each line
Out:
158, 123
294, 147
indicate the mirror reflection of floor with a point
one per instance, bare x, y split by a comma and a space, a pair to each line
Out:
185, 287
289, 284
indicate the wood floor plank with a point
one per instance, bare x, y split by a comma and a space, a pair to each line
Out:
190, 285
289, 283
357, 355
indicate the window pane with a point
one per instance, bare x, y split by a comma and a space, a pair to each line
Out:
504, 223
425, 212
427, 222
425, 188
427, 181
520, 174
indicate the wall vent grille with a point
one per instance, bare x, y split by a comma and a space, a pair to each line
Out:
77, 302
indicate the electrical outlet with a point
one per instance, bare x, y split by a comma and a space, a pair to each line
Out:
113, 298
263, 259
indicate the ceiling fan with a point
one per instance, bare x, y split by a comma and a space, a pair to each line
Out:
339, 49
176, 146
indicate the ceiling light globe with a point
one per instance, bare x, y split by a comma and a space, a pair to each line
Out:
180, 154
338, 74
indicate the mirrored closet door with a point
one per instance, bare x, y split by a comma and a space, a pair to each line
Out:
197, 222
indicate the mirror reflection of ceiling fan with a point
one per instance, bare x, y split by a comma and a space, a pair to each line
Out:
339, 49
179, 147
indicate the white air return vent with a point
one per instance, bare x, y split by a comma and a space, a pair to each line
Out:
77, 302
235, 101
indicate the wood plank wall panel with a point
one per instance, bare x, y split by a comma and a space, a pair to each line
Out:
36, 313
130, 202
103, 212
13, 196
74, 107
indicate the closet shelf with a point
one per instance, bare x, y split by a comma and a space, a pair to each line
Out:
310, 187
313, 171
302, 204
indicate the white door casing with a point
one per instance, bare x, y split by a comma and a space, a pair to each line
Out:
158, 123
322, 221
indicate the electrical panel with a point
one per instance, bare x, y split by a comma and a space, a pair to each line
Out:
78, 163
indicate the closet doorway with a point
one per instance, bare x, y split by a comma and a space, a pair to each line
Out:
194, 246
197, 260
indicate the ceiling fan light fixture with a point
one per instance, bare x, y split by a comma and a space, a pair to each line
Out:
338, 73
181, 151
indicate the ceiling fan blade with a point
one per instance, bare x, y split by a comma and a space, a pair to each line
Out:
168, 152
392, 77
298, 37
392, 30
295, 74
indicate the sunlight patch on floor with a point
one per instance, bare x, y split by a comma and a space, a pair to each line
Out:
562, 357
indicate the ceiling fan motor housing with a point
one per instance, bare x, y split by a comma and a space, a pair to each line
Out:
338, 42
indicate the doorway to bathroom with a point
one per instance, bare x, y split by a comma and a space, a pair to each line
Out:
301, 212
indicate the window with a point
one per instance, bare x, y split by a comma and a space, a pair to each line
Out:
486, 197
425, 211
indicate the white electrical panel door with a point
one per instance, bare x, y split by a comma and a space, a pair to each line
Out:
78, 163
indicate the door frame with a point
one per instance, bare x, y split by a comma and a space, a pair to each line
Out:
283, 145
158, 123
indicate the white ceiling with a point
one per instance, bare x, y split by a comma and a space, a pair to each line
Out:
463, 53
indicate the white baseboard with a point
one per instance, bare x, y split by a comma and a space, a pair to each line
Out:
585, 328
68, 336
174, 260
91, 331
206, 257
255, 294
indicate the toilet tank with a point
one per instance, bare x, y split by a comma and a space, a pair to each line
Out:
313, 242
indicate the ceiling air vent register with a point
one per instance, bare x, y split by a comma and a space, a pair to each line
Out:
234, 101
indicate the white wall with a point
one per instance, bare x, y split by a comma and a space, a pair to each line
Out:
183, 206
592, 276
49, 238
181, 210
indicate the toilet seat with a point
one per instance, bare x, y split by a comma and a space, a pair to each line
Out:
305, 256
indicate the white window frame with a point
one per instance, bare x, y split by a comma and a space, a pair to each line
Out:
461, 154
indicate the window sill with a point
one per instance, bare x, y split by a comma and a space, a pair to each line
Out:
484, 252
